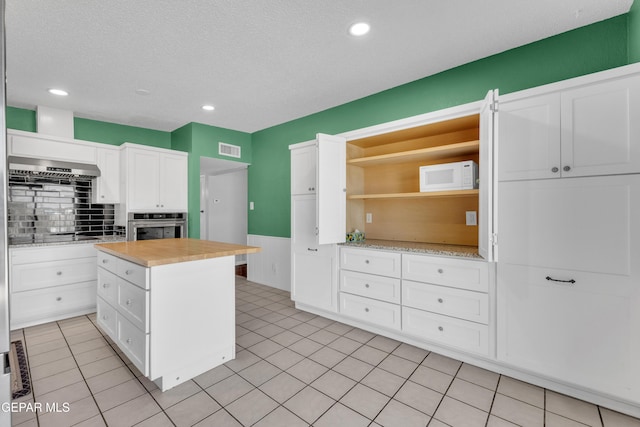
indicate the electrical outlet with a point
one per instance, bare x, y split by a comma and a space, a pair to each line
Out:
250, 206
472, 218
369, 218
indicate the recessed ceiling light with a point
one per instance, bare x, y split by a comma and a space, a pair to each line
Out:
143, 92
359, 29
208, 107
58, 92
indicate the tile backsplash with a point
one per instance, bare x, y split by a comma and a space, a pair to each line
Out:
42, 209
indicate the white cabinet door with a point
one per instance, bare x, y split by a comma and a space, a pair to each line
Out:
313, 266
529, 132
488, 119
49, 147
331, 184
600, 128
303, 170
107, 185
173, 179
143, 169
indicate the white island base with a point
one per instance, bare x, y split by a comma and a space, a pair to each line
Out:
173, 321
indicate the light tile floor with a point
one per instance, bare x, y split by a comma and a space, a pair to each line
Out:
292, 369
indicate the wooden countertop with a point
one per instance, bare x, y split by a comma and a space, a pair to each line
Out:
149, 253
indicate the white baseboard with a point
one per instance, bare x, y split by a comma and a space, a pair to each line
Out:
272, 265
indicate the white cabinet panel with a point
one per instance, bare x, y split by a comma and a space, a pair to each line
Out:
107, 286
133, 273
486, 205
371, 261
25, 277
370, 310
370, 286
49, 147
133, 303
331, 184
600, 128
173, 182
454, 272
134, 343
107, 185
142, 184
303, 170
529, 132
106, 317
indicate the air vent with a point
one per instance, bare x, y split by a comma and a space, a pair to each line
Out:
229, 150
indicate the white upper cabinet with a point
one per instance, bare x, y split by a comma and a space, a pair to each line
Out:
303, 170
156, 179
582, 131
107, 185
331, 184
28, 144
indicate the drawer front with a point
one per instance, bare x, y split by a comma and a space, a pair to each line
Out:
453, 302
370, 286
369, 310
106, 317
457, 273
51, 253
444, 330
372, 262
107, 286
108, 262
133, 273
133, 303
26, 277
134, 343
44, 303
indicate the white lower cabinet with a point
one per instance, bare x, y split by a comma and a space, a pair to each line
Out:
370, 310
51, 283
173, 321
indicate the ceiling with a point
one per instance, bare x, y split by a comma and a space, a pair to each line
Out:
260, 63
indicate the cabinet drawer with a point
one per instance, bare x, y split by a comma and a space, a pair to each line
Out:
25, 277
373, 262
107, 286
458, 303
446, 330
50, 302
51, 253
134, 343
108, 262
369, 310
133, 303
371, 286
106, 317
457, 273
133, 273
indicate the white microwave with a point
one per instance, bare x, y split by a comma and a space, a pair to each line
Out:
449, 176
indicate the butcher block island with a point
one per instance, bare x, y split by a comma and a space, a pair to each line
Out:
169, 304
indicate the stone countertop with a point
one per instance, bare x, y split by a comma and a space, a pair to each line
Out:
150, 253
98, 239
418, 247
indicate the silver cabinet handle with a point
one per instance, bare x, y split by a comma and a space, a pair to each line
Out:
128, 302
554, 169
566, 168
104, 261
105, 317
366, 285
366, 309
312, 250
59, 273
102, 196
128, 272
366, 261
59, 299
129, 340
105, 285
440, 328
440, 271
440, 300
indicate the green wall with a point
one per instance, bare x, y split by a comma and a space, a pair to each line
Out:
201, 140
634, 32
94, 130
582, 51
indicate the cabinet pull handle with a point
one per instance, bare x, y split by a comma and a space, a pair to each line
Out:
59, 299
440, 271
104, 261
440, 300
366, 285
105, 317
129, 340
128, 302
128, 272
366, 261
440, 328
105, 285
366, 309
566, 168
59, 273
312, 250
102, 196
572, 281
554, 169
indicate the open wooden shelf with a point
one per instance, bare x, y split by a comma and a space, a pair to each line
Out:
431, 153
449, 193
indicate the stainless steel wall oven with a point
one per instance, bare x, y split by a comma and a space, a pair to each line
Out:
156, 225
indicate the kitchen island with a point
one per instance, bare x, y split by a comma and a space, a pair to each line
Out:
169, 304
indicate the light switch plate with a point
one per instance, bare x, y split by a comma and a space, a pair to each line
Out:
369, 218
472, 218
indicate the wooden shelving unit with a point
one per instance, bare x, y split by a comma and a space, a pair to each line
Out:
423, 154
430, 194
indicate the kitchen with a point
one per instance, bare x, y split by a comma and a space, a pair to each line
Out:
269, 190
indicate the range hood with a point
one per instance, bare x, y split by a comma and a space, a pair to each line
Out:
51, 168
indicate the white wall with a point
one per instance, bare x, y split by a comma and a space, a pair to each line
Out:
272, 265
